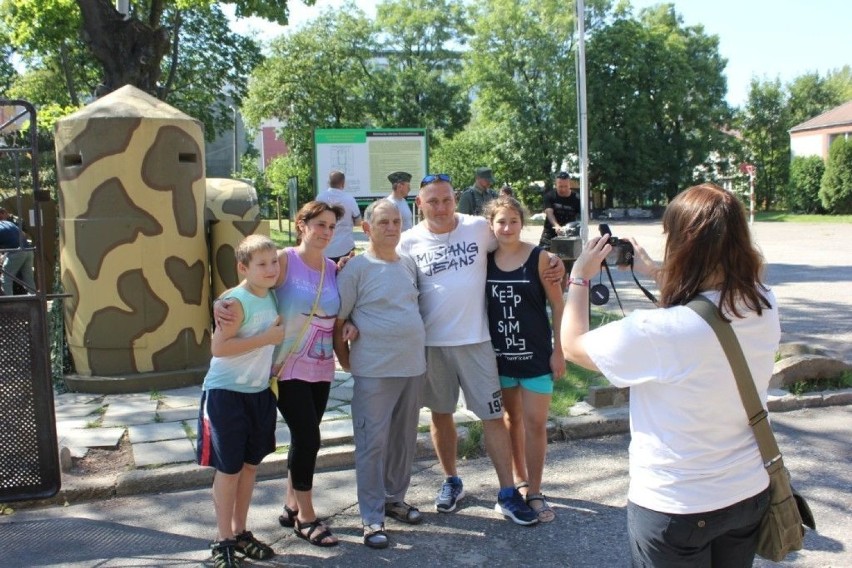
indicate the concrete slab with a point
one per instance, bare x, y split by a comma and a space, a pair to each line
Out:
170, 401
75, 424
168, 451
76, 410
334, 414
129, 418
76, 398
193, 391
341, 393
336, 431
177, 414
94, 437
156, 432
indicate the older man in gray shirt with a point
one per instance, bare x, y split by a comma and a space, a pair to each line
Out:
378, 300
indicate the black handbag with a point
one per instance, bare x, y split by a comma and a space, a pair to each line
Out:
781, 530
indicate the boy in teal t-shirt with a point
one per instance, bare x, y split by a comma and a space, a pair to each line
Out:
236, 421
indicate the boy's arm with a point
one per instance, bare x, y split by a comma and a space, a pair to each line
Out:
225, 342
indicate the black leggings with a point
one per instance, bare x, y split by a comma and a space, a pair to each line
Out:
302, 405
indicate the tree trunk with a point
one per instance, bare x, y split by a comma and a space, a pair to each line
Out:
129, 51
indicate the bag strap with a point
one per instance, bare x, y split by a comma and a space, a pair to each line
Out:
757, 415
283, 356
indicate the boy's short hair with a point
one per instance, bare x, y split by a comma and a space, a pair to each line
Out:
252, 244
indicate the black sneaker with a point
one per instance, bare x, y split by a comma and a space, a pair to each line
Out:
248, 545
225, 554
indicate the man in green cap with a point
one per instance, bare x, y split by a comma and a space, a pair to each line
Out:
400, 186
474, 198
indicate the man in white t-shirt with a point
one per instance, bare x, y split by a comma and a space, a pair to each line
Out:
450, 251
343, 241
400, 188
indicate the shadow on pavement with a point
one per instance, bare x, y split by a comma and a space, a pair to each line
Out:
80, 540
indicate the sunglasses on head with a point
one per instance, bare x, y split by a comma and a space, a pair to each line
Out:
435, 177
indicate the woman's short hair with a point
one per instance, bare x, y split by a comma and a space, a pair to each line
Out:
708, 240
313, 209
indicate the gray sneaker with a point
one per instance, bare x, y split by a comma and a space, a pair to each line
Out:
450, 494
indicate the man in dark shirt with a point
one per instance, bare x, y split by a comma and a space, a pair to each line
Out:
561, 206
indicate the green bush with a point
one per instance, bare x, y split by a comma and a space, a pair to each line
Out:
802, 194
836, 189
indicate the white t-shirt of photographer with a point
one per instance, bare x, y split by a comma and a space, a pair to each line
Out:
691, 447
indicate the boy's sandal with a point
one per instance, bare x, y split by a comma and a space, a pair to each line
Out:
375, 536
316, 533
288, 518
225, 554
545, 512
249, 546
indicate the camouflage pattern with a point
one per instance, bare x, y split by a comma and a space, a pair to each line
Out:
132, 243
232, 213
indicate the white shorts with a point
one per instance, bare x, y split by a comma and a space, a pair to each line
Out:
471, 367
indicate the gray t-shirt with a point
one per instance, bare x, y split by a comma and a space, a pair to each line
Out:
380, 298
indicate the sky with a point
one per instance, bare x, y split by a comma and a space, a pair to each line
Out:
764, 39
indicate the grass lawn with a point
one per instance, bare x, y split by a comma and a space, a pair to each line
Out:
785, 217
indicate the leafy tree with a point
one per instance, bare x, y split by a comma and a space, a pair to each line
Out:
7, 69
656, 105
279, 172
522, 67
764, 122
836, 189
131, 50
839, 81
802, 195
420, 86
810, 96
317, 77
205, 59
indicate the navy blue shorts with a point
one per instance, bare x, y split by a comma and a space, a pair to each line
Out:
235, 428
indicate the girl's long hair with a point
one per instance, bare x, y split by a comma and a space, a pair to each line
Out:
708, 239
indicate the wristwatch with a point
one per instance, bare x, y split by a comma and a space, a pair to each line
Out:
578, 281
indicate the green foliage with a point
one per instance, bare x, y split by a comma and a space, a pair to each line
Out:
656, 105
819, 385
471, 446
836, 189
802, 194
810, 96
522, 68
420, 86
279, 171
572, 388
317, 77
212, 61
764, 123
7, 70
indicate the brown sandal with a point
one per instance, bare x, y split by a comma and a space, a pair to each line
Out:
312, 536
545, 512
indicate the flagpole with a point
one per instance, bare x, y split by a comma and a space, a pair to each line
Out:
582, 120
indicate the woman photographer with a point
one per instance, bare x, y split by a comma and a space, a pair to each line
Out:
698, 488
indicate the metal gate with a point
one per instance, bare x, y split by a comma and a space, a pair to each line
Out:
29, 456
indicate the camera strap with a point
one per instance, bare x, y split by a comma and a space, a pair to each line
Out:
645, 291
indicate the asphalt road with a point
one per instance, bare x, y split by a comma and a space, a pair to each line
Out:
586, 481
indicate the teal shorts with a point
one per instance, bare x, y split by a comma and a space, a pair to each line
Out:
542, 384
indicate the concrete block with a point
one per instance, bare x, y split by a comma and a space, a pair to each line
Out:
336, 431
806, 367
167, 451
786, 350
837, 398
608, 395
94, 437
597, 424
162, 480
156, 432
336, 456
185, 414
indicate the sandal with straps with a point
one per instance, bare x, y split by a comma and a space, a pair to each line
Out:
375, 536
545, 512
288, 518
249, 546
225, 554
312, 536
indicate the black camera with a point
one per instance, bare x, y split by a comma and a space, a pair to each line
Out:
622, 250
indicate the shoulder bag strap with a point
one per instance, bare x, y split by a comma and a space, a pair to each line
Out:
757, 415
